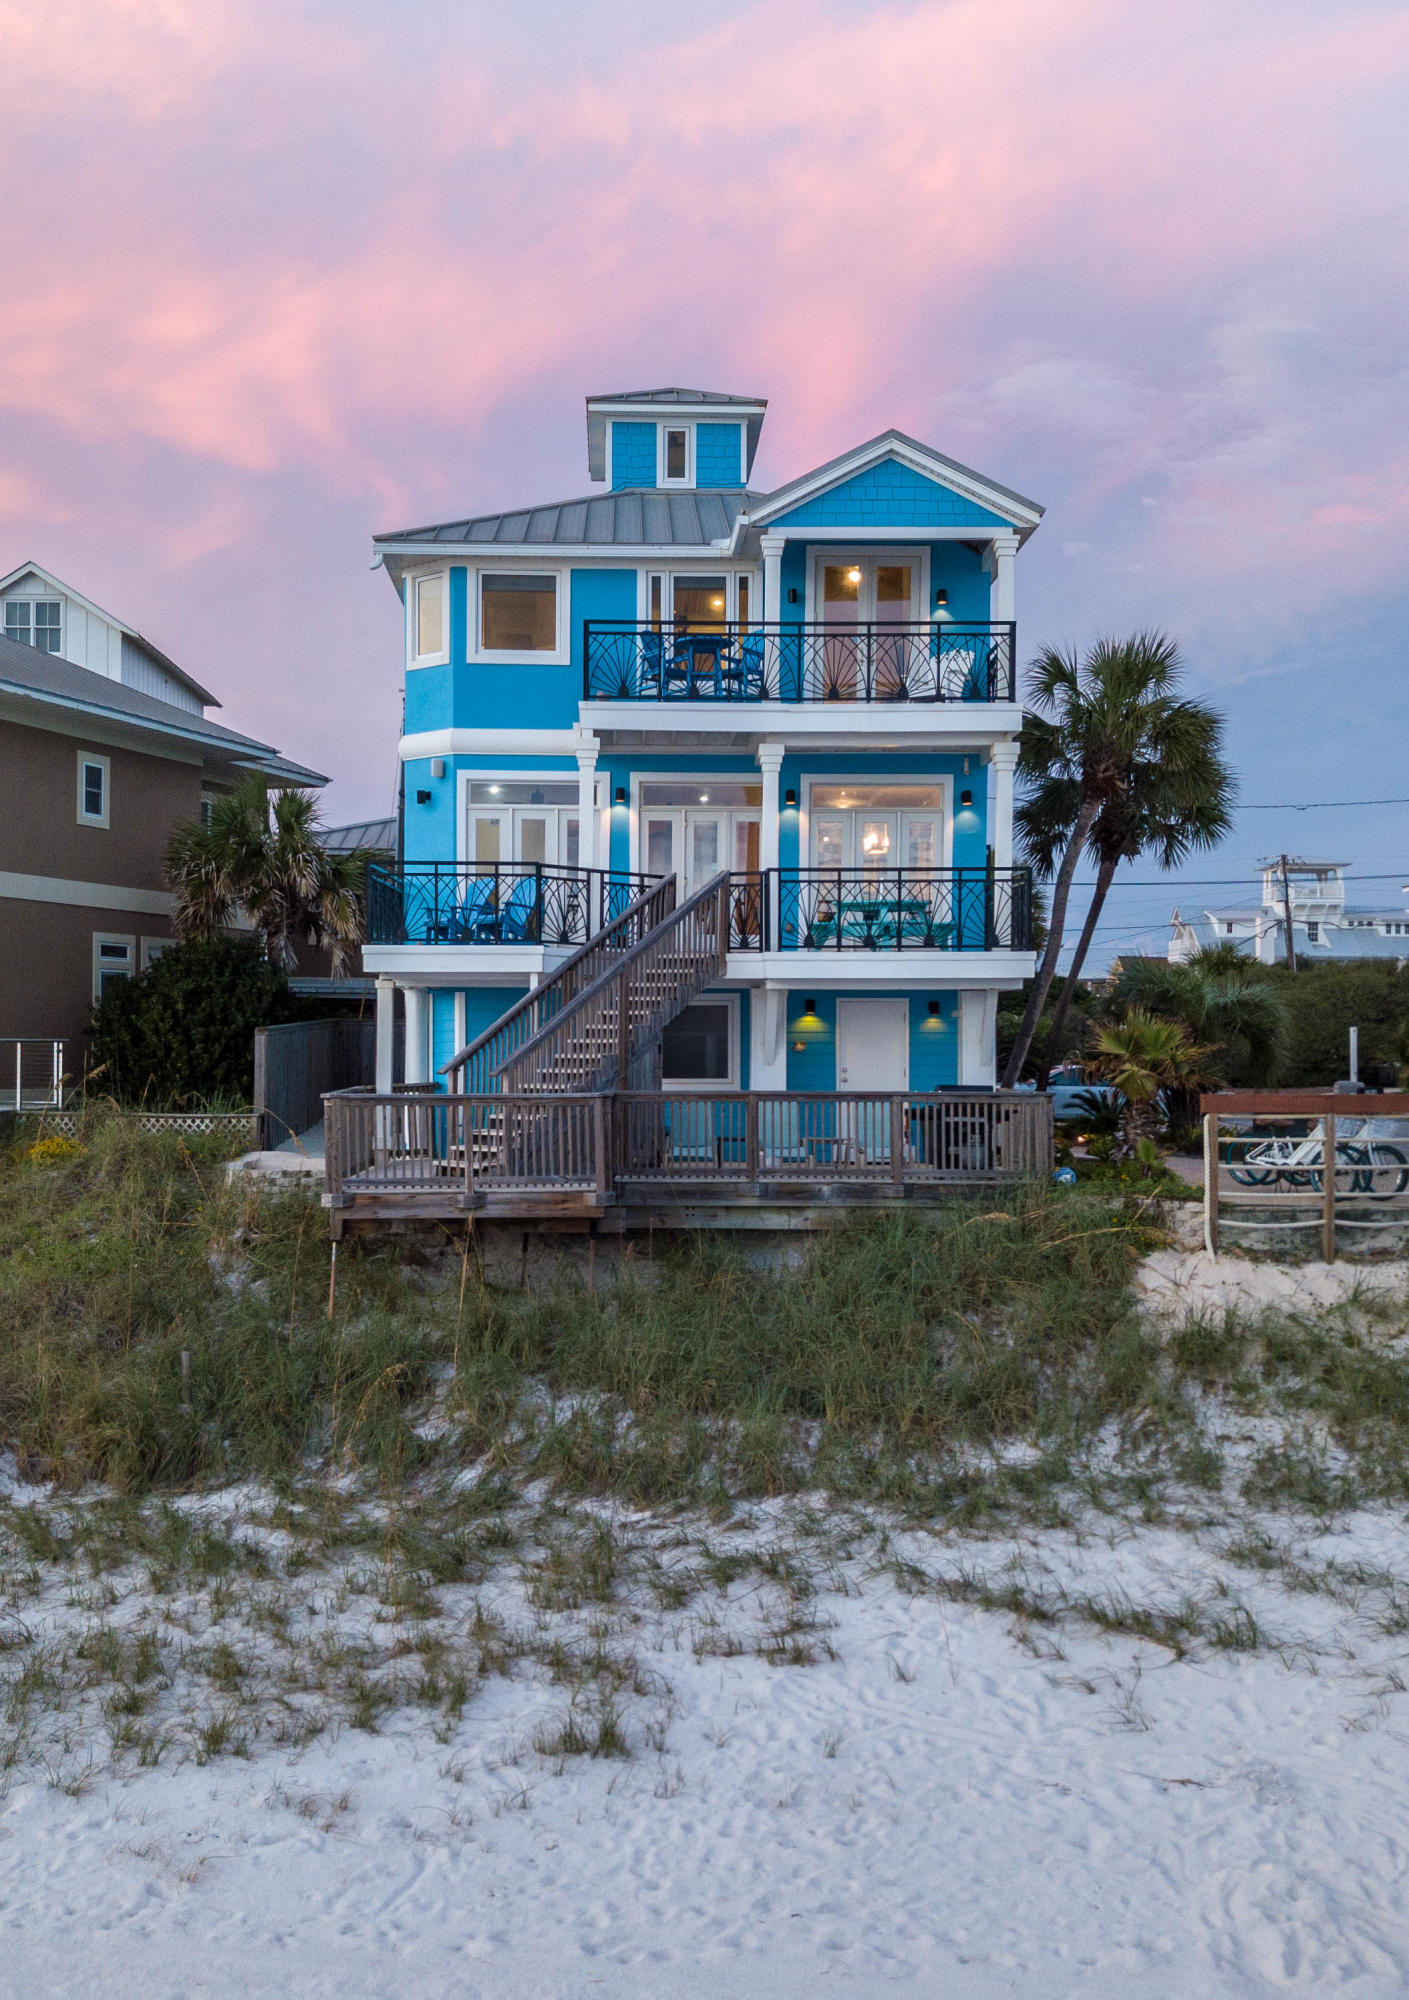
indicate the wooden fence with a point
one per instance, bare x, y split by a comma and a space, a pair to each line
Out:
1307, 1173
297, 1064
594, 1144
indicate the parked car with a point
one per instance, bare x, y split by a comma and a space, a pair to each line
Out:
1073, 1098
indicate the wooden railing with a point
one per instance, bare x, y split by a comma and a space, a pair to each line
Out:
608, 1036
454, 1149
1290, 1172
476, 1067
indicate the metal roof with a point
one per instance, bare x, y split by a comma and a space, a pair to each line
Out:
631, 517
203, 695
45, 677
378, 834
681, 396
750, 407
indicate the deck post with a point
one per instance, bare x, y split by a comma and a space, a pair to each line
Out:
600, 1149
1211, 1182
897, 1141
751, 1137
1328, 1187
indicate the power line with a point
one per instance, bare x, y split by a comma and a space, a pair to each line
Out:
1173, 881
1317, 805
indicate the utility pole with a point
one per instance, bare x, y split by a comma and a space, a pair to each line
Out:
1287, 914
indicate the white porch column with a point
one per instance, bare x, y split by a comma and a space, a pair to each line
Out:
770, 762
386, 1035
1004, 758
978, 1032
768, 1041
773, 546
418, 1040
587, 804
1004, 550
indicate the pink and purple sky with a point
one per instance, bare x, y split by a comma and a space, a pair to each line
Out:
280, 276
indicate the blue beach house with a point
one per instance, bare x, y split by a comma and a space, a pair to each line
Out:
804, 697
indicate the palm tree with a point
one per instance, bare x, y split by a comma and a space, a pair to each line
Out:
265, 859
1142, 1056
1118, 764
1220, 999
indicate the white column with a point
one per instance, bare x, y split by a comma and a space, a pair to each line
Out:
773, 546
770, 760
978, 1030
587, 805
386, 1035
1005, 549
418, 1040
768, 1041
1004, 758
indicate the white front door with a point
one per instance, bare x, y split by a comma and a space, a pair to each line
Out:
873, 1044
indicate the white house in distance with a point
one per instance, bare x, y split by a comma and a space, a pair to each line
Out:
41, 611
1324, 924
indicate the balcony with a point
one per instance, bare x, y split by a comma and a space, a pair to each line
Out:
502, 903
838, 910
938, 663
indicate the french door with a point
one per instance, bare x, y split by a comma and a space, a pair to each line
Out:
688, 841
524, 835
870, 602
868, 838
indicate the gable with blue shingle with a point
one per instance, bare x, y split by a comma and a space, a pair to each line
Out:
889, 494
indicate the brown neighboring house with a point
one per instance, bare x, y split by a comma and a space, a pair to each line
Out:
98, 762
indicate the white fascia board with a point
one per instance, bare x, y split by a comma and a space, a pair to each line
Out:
84, 895
926, 463
495, 743
454, 964
910, 970
909, 725
600, 553
663, 413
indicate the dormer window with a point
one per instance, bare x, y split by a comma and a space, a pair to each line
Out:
676, 453
33, 622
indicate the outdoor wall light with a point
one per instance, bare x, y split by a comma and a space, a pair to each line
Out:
966, 798
790, 797
934, 1010
423, 798
621, 795
941, 598
809, 1006
792, 597
438, 768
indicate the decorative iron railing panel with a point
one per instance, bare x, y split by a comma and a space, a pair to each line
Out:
627, 660
896, 909
494, 903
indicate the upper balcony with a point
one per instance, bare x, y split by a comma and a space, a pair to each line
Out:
933, 664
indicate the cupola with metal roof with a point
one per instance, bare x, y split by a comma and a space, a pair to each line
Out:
661, 428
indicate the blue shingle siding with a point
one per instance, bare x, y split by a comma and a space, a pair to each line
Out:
634, 455
889, 495
717, 455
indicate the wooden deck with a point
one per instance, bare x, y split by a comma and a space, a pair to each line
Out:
579, 1158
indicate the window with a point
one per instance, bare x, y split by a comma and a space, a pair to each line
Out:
1313, 934
522, 822
152, 949
113, 958
700, 1046
33, 622
92, 789
675, 457
430, 617
518, 614
700, 603
1228, 928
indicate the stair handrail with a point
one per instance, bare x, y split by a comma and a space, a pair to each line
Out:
645, 951
645, 912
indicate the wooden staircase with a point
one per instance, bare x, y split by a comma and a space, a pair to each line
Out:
607, 1035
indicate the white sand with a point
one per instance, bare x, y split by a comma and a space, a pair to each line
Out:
1184, 1279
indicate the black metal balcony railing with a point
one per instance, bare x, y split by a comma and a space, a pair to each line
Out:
940, 662
494, 903
897, 909
776, 909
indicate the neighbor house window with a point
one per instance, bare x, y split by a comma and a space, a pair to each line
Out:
152, 949
700, 1046
92, 789
113, 958
430, 617
675, 456
33, 622
1313, 934
518, 614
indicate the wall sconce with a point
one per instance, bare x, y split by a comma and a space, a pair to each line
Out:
437, 767
966, 798
621, 795
423, 798
809, 1006
941, 598
790, 797
934, 1010
792, 597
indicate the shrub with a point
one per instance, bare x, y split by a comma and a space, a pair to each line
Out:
1324, 1002
185, 1027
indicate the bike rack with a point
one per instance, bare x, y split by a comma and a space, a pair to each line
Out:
1281, 1181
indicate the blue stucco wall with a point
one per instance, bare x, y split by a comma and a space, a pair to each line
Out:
596, 593
633, 455
718, 457
934, 1044
483, 1006
890, 494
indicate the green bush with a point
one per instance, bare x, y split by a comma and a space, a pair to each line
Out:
184, 1028
1324, 1002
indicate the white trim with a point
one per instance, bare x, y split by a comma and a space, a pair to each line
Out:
959, 725
684, 1086
152, 949
863, 971
84, 895
663, 426
475, 650
598, 555
111, 938
87, 758
494, 743
414, 657
463, 964
476, 775
699, 412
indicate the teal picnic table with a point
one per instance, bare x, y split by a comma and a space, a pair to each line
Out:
870, 923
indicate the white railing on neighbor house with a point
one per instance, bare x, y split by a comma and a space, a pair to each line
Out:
33, 1076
